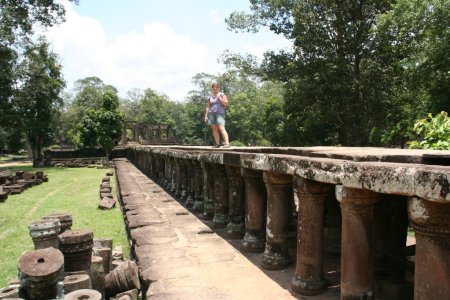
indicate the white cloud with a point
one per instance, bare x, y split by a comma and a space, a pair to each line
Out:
216, 17
155, 57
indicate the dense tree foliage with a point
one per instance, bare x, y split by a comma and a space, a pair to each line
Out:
87, 95
17, 21
361, 72
37, 99
102, 125
434, 132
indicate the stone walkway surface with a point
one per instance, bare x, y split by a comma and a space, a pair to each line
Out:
179, 256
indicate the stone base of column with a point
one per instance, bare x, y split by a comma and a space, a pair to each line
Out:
274, 261
253, 243
183, 196
198, 205
208, 209
220, 220
235, 230
189, 202
307, 287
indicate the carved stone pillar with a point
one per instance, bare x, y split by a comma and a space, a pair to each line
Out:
431, 223
236, 202
153, 167
166, 178
173, 175
255, 210
184, 181
144, 160
178, 178
309, 279
198, 186
208, 191
190, 184
220, 196
161, 168
279, 199
357, 208
124, 138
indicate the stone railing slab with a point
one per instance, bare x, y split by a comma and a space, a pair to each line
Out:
389, 171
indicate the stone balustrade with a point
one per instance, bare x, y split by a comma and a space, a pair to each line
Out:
252, 191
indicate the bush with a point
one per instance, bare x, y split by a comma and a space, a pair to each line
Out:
264, 143
237, 144
433, 133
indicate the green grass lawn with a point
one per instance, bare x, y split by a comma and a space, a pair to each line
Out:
72, 190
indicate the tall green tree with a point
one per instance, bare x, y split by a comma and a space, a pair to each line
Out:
87, 95
17, 20
334, 70
110, 121
38, 96
102, 126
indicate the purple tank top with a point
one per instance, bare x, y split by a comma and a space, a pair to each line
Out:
215, 104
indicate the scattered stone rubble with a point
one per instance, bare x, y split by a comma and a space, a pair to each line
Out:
98, 163
19, 182
107, 200
71, 264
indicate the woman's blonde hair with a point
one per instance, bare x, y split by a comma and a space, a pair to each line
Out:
215, 84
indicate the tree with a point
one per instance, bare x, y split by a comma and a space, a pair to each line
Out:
88, 94
130, 105
17, 19
39, 95
434, 132
334, 70
102, 126
109, 121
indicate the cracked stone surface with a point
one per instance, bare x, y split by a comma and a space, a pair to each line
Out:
181, 257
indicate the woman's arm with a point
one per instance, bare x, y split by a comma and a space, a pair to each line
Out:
206, 110
223, 100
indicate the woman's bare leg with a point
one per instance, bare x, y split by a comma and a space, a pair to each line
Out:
215, 131
224, 134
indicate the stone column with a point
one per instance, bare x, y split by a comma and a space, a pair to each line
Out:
153, 167
279, 199
173, 176
431, 223
309, 279
357, 208
161, 168
236, 202
190, 184
208, 191
124, 138
255, 210
198, 186
220, 196
178, 178
184, 181
166, 176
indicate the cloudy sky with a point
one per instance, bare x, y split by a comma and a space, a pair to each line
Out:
157, 44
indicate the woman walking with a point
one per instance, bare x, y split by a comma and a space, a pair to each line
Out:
215, 115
